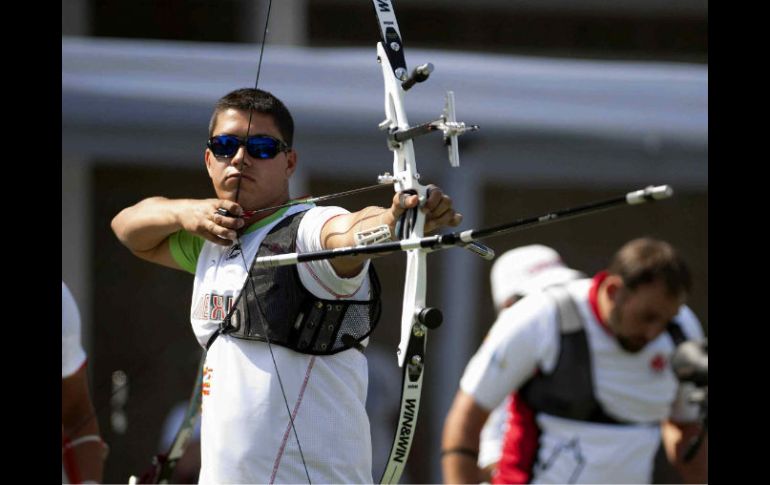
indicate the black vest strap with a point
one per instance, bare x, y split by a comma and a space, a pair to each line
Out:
274, 305
675, 331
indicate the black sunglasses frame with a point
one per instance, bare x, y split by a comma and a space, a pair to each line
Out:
280, 146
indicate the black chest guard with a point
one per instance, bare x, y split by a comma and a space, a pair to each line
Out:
274, 305
568, 391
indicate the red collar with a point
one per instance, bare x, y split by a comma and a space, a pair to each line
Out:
593, 299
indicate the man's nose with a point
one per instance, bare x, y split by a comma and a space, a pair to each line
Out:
240, 159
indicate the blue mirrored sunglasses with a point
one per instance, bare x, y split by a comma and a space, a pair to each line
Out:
263, 147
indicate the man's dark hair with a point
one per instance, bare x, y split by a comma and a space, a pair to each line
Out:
250, 99
646, 260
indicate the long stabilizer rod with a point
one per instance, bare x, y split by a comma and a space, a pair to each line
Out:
468, 238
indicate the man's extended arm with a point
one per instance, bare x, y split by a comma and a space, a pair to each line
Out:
340, 231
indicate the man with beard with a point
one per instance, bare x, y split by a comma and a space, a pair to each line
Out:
588, 363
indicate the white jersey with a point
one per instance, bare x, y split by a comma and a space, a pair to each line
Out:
245, 428
72, 354
637, 387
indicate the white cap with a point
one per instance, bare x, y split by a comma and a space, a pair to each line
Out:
526, 269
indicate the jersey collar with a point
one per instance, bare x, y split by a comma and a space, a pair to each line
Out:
593, 299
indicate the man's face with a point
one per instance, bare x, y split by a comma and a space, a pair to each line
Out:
639, 316
263, 183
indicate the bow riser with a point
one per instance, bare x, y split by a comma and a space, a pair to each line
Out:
414, 300
406, 178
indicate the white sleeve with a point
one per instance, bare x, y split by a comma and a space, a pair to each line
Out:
522, 339
72, 353
319, 277
682, 410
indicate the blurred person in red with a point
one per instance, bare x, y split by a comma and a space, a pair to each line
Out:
83, 451
588, 363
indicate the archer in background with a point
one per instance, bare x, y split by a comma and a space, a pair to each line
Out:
83, 451
516, 274
291, 410
588, 363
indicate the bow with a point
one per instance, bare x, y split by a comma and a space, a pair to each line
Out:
416, 317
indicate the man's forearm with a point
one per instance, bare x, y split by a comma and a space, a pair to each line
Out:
460, 441
695, 470
676, 440
143, 226
87, 452
340, 232
460, 468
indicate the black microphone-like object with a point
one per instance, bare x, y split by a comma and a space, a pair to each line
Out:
690, 362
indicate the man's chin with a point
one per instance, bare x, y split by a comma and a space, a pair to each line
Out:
631, 346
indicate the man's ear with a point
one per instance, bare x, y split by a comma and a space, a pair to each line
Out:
208, 158
613, 284
291, 162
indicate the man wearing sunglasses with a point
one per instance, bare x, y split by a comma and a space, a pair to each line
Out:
316, 316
